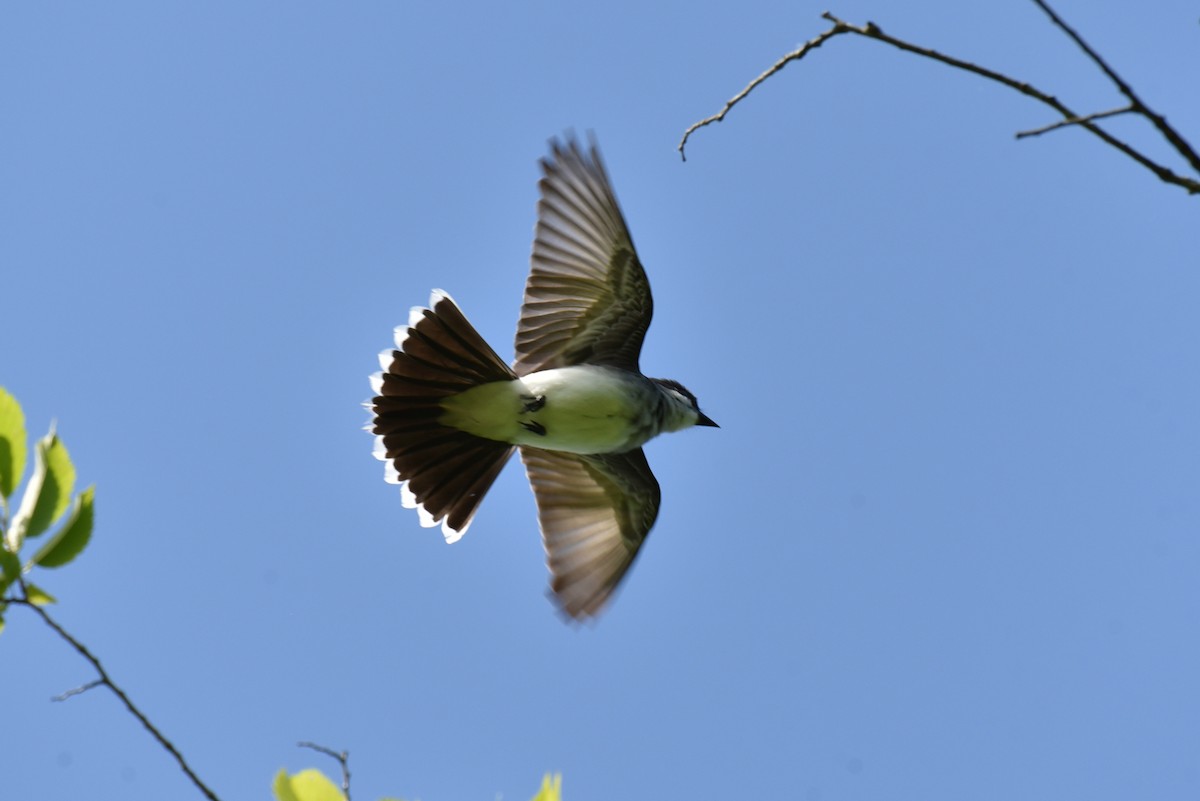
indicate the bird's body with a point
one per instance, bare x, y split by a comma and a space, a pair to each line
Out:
449, 412
580, 409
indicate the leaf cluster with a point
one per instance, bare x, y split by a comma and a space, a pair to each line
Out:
313, 785
46, 500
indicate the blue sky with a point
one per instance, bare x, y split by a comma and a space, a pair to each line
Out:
944, 545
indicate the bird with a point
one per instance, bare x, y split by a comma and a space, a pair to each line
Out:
448, 412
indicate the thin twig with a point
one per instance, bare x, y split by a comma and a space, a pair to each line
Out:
80, 690
1099, 115
795, 55
872, 31
343, 758
107, 681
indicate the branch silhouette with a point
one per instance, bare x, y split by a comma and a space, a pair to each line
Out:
106, 681
1069, 118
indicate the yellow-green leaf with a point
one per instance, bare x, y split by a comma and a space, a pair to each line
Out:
56, 490
68, 541
551, 788
37, 596
48, 492
10, 568
307, 785
12, 443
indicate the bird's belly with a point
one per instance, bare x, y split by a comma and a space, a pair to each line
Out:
579, 409
585, 410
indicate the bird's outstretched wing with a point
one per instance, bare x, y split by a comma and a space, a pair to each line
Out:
595, 511
587, 299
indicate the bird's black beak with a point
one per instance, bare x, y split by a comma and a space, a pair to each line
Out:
705, 420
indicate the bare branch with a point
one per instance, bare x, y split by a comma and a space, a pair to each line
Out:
872, 31
343, 758
107, 681
1075, 121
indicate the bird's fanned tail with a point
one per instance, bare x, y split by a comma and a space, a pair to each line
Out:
443, 472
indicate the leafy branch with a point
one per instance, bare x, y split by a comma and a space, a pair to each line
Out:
46, 499
1088, 122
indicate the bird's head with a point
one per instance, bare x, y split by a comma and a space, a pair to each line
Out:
684, 411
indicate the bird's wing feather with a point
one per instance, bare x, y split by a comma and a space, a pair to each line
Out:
594, 511
587, 299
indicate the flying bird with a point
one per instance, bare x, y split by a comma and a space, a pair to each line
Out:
448, 412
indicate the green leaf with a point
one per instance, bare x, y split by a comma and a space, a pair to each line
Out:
1, 621
12, 443
68, 541
10, 565
47, 494
307, 785
10, 568
56, 491
551, 788
37, 596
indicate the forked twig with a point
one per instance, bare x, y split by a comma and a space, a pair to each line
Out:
343, 758
1087, 121
1160, 122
